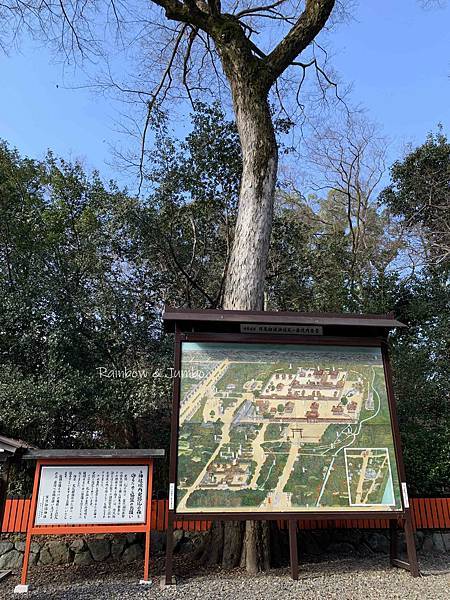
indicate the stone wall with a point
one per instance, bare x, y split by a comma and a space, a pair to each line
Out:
85, 550
367, 541
129, 547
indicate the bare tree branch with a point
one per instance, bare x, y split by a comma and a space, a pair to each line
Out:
309, 24
150, 104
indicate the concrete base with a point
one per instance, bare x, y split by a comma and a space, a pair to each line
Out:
22, 589
163, 583
147, 582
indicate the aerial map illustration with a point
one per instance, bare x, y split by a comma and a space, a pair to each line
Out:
283, 427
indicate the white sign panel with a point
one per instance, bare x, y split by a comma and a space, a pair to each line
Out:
88, 495
171, 496
282, 329
405, 495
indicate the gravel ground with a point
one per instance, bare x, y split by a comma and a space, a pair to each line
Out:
343, 579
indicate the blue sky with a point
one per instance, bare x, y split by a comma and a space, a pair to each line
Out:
395, 53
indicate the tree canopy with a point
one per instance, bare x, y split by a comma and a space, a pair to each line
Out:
86, 268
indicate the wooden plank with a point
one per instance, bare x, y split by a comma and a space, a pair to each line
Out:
412, 504
445, 509
420, 517
401, 563
94, 453
429, 508
12, 516
25, 515
5, 523
433, 512
166, 517
432, 516
153, 515
447, 512
426, 512
161, 515
19, 514
422, 513
440, 513
193, 316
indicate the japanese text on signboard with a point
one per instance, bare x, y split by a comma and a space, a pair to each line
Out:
82, 495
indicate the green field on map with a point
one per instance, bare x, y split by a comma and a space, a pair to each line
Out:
283, 427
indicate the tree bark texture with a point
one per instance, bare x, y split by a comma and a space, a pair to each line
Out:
244, 287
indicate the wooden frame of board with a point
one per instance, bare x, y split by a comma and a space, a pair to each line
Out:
77, 458
337, 330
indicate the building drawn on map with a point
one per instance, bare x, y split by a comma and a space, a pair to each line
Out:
281, 427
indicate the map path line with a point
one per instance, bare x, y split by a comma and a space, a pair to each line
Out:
282, 481
322, 489
362, 477
258, 455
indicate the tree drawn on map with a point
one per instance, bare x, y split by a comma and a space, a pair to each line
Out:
284, 428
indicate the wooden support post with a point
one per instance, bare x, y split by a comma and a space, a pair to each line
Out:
411, 564
393, 535
26, 556
148, 524
169, 550
23, 579
411, 546
293, 550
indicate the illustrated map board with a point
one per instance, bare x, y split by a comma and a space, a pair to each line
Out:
284, 428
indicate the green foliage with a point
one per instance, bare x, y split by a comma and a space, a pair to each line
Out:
420, 193
85, 270
421, 377
192, 208
75, 295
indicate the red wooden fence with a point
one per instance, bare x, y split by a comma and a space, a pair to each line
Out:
427, 513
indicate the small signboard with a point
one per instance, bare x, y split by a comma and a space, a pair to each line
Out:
88, 495
275, 329
90, 491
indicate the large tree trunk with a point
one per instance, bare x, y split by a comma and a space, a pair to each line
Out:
244, 286
230, 544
